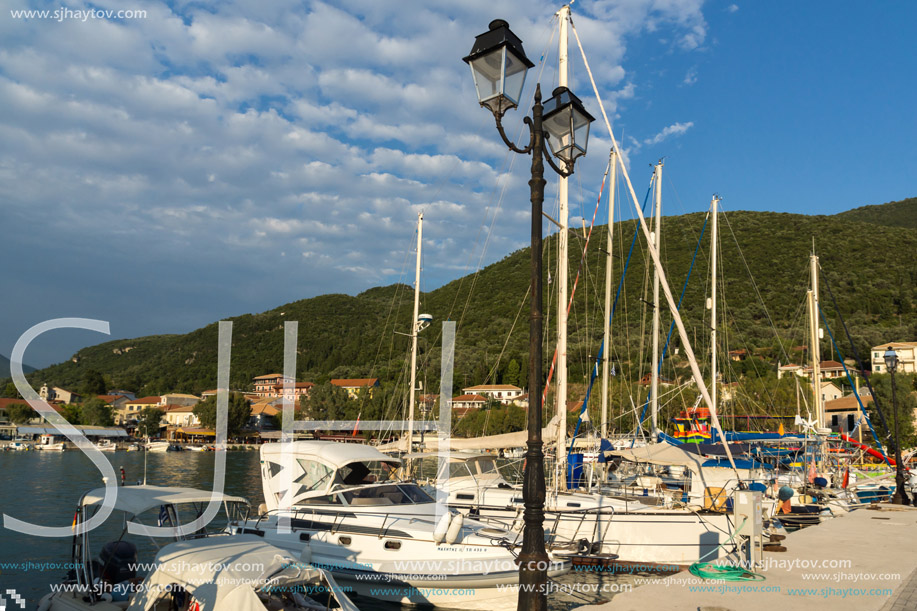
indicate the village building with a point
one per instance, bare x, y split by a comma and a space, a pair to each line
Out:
355, 386
463, 404
504, 393
264, 385
843, 413
178, 399
61, 395
131, 409
907, 357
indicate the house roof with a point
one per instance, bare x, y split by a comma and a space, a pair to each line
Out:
175, 409
110, 398
264, 408
470, 397
151, 400
826, 365
847, 404
789, 366
575, 405
268, 376
5, 403
486, 387
355, 383
895, 345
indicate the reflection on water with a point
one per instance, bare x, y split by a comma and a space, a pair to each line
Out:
44, 488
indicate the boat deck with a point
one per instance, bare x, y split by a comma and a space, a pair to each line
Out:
863, 561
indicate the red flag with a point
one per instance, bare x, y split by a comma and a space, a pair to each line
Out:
846, 477
356, 427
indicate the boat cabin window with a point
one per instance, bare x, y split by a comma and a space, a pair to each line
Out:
459, 469
315, 475
403, 494
370, 472
487, 467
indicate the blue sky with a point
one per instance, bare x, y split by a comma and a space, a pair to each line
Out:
217, 158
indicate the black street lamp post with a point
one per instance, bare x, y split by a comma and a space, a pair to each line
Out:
900, 497
498, 65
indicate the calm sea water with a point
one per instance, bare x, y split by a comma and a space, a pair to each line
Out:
44, 488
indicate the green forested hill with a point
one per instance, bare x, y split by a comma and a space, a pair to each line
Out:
893, 214
866, 255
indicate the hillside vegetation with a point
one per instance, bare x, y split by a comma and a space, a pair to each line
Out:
866, 256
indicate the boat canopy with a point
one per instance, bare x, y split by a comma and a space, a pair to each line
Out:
331, 453
225, 572
489, 442
89, 431
662, 454
135, 500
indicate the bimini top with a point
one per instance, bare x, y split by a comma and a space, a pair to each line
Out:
225, 572
137, 499
332, 453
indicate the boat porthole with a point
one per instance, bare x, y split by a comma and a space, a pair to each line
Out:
344, 540
393, 545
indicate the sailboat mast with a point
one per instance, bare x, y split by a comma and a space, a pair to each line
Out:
562, 262
654, 374
415, 328
606, 342
713, 240
816, 349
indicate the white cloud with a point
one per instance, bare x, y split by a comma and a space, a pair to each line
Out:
676, 129
210, 136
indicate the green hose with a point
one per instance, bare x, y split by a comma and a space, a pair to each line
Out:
708, 570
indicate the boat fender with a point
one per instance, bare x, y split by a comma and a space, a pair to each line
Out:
45, 603
455, 529
305, 556
439, 533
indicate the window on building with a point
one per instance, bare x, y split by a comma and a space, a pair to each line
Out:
834, 420
850, 422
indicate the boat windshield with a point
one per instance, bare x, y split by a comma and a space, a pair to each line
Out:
391, 494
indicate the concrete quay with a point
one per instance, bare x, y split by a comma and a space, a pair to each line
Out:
863, 561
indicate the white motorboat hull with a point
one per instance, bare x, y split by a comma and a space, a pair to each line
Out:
51, 447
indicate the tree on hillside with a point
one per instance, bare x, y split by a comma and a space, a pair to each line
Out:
907, 404
93, 383
239, 412
20, 413
96, 412
72, 413
10, 391
329, 402
148, 422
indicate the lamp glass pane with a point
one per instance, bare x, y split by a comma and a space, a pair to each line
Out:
514, 79
558, 126
487, 71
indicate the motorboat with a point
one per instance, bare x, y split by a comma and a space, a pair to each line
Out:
48, 443
207, 569
259, 576
345, 506
133, 447
158, 446
18, 446
106, 445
